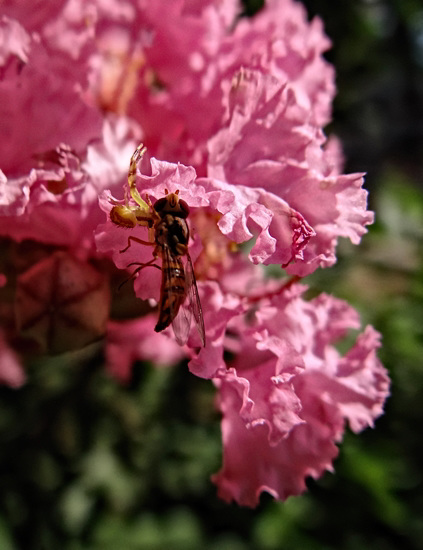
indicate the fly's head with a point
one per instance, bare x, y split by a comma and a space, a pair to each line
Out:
171, 204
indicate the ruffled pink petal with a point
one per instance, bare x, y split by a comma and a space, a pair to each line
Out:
267, 399
135, 340
14, 42
162, 176
282, 233
269, 140
364, 380
218, 310
289, 393
251, 465
43, 110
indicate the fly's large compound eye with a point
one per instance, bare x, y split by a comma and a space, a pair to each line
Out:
184, 209
160, 205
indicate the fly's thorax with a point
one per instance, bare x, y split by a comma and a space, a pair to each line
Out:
173, 231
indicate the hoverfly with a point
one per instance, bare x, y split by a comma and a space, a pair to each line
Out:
168, 232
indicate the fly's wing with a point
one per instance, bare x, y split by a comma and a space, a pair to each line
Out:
173, 295
181, 325
192, 302
179, 300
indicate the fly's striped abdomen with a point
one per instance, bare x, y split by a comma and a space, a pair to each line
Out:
173, 290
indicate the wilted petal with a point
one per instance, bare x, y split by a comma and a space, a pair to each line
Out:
61, 304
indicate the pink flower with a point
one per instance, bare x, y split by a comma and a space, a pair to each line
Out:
51, 133
169, 72
57, 202
286, 368
269, 142
282, 232
288, 395
231, 110
45, 104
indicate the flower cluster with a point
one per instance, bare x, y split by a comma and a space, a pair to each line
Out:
231, 110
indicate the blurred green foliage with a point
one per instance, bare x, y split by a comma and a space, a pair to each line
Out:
378, 55
86, 464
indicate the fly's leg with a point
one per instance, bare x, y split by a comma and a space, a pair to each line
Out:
136, 240
140, 266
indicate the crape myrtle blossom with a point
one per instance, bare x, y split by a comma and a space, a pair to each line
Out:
231, 110
188, 56
58, 152
288, 391
268, 140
